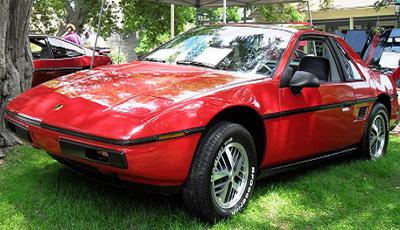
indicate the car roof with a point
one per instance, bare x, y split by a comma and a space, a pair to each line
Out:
43, 36
55, 37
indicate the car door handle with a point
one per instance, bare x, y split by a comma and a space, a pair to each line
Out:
346, 107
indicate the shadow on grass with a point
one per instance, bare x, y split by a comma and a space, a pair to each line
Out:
346, 192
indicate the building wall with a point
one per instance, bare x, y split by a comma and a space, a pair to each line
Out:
354, 18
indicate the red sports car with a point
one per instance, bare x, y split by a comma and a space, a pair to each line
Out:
212, 111
54, 57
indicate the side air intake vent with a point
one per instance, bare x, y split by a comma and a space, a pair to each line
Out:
362, 113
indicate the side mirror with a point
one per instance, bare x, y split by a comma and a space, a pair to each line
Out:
303, 79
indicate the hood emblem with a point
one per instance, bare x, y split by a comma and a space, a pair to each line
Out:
58, 107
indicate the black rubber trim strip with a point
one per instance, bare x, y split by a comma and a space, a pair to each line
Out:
371, 99
102, 139
303, 163
60, 69
97, 138
23, 118
316, 108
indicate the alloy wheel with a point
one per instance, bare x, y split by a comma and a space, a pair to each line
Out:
377, 136
229, 175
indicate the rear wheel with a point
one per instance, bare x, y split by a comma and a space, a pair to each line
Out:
222, 176
376, 134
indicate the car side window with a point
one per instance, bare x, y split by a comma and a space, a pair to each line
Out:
62, 49
39, 48
316, 56
350, 70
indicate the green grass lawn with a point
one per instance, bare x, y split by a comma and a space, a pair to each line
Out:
38, 193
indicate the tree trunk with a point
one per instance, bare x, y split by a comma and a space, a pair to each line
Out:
75, 16
15, 58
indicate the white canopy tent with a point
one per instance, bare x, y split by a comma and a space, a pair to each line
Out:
209, 3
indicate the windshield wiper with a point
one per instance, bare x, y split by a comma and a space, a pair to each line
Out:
195, 63
152, 59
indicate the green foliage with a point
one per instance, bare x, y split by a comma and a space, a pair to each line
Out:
214, 15
152, 21
383, 3
47, 15
117, 58
278, 13
109, 19
146, 43
50, 16
326, 4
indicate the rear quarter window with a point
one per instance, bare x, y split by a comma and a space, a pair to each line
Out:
352, 73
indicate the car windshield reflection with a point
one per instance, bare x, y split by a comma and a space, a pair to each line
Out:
230, 48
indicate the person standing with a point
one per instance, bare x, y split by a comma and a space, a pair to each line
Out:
85, 38
396, 75
71, 35
396, 78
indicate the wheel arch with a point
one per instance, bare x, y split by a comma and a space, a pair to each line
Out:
248, 118
385, 100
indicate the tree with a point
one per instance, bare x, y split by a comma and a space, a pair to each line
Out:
278, 13
383, 3
152, 21
326, 4
51, 16
214, 15
15, 57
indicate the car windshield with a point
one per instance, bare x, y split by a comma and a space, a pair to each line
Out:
231, 48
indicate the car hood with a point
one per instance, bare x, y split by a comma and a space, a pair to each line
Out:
117, 99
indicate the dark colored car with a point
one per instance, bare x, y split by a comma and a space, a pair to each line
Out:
54, 57
212, 111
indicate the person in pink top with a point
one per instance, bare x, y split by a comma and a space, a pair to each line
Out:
396, 75
71, 35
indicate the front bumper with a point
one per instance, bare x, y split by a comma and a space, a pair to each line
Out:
162, 162
113, 179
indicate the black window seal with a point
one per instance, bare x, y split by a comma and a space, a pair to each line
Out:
47, 45
343, 54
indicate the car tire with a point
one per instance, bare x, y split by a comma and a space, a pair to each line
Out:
214, 189
376, 134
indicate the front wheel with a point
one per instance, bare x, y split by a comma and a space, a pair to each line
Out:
223, 172
376, 133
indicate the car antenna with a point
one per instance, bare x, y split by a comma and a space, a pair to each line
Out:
97, 34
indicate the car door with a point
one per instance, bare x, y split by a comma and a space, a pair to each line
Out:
316, 120
41, 55
67, 57
364, 96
